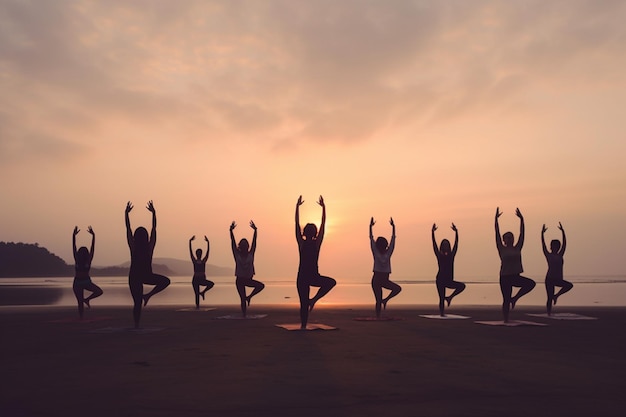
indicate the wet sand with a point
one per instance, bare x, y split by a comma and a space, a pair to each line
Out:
189, 363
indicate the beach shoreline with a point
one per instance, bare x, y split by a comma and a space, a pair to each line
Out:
193, 363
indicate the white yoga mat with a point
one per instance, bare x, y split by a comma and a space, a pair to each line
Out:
511, 323
310, 326
445, 317
562, 316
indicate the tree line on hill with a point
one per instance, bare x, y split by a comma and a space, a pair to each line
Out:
31, 260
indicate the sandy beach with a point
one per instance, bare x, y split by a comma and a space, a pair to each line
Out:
190, 363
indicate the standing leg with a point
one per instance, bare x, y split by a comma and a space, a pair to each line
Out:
303, 295
441, 290
378, 294
196, 293
80, 298
506, 288
550, 295
241, 290
136, 290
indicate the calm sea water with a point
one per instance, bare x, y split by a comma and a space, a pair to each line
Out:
588, 291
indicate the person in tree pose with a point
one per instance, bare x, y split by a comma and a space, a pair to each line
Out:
244, 267
554, 276
82, 265
445, 275
309, 244
141, 250
382, 251
511, 265
199, 271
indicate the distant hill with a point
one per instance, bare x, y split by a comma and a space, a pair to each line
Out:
31, 260
19, 260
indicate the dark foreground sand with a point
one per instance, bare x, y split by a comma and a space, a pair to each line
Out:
197, 365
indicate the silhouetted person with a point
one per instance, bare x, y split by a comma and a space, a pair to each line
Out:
382, 251
141, 251
82, 280
244, 267
511, 265
309, 244
554, 276
445, 275
199, 271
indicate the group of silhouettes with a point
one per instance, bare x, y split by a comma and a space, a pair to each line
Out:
309, 239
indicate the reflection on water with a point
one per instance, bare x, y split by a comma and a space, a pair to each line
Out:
58, 291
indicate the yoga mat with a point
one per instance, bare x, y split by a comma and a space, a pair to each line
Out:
310, 326
445, 317
197, 309
141, 330
240, 317
512, 323
563, 316
384, 318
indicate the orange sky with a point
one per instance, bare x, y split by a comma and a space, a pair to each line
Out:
220, 111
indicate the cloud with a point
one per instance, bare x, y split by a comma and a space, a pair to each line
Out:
287, 71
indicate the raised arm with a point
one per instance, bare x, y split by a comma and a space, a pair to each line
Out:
432, 235
497, 226
129, 231
564, 243
253, 247
193, 258
74, 233
320, 234
298, 229
456, 239
392, 242
151, 209
233, 245
208, 247
543, 240
520, 241
93, 243
372, 223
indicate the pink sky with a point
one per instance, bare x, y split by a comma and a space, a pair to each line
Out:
220, 111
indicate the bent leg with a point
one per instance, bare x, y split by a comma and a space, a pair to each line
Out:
394, 288
258, 287
565, 287
160, 283
325, 284
525, 285
95, 292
